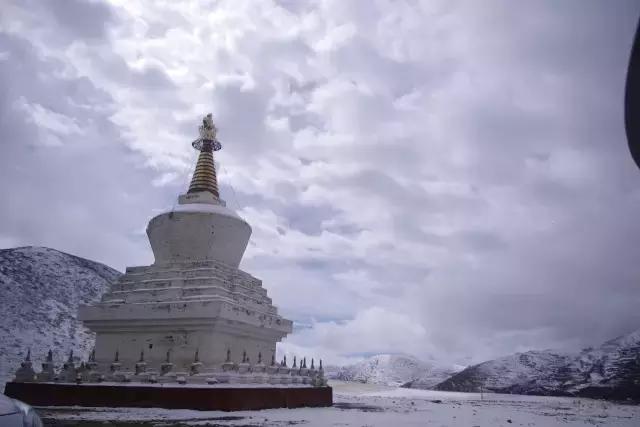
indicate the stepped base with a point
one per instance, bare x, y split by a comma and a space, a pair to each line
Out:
204, 398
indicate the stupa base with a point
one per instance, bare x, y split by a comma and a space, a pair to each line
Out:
204, 398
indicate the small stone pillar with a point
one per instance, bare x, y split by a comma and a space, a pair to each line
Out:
167, 366
141, 365
69, 371
25, 372
82, 372
48, 370
303, 367
321, 381
312, 373
91, 365
115, 365
196, 366
259, 367
284, 369
295, 378
244, 367
228, 365
273, 368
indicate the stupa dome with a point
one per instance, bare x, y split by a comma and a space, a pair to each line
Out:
200, 227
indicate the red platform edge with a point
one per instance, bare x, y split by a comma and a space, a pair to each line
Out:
169, 397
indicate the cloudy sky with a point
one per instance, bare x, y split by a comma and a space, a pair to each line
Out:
446, 179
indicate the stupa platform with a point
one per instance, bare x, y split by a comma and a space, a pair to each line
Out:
203, 397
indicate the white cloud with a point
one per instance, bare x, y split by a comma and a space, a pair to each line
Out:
372, 330
53, 126
409, 169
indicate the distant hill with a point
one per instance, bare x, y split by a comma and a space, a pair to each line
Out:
610, 371
40, 290
394, 369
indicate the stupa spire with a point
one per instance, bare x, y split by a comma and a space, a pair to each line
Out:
204, 177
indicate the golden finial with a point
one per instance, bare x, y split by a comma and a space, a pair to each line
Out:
208, 132
204, 177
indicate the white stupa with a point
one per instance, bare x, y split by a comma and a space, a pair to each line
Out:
191, 331
193, 306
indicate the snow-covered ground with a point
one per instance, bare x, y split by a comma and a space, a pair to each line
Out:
359, 404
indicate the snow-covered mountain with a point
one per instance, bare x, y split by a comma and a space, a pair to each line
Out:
609, 371
394, 369
613, 369
428, 379
40, 290
509, 371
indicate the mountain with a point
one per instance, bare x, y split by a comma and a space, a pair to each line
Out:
41, 289
611, 370
507, 372
429, 378
393, 369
